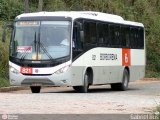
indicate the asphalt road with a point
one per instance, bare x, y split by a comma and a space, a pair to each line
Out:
142, 97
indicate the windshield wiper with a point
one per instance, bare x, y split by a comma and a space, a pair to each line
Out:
45, 51
26, 53
36, 49
43, 48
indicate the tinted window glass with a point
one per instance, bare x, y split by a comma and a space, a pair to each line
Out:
141, 38
103, 34
90, 32
125, 38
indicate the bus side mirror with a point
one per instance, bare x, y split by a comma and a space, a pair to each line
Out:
4, 31
82, 36
79, 25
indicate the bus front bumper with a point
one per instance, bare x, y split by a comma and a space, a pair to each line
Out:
62, 79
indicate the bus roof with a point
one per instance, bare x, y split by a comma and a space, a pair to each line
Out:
83, 14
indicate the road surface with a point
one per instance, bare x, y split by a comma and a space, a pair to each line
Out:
142, 97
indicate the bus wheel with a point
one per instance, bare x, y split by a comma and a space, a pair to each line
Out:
35, 89
124, 85
84, 88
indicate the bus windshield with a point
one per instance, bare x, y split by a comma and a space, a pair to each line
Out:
41, 40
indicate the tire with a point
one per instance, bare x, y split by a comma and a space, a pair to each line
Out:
84, 88
77, 88
35, 89
124, 85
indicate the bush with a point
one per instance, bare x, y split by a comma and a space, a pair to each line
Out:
4, 82
157, 113
9, 9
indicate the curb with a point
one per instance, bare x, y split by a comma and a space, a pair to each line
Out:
151, 79
13, 88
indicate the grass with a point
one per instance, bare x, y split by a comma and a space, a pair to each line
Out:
157, 112
4, 82
152, 74
4, 53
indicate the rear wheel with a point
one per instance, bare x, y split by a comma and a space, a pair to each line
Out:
84, 88
124, 85
76, 88
35, 89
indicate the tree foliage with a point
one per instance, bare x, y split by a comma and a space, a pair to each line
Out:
10, 8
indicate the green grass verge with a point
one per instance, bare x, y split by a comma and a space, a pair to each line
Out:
152, 74
157, 112
4, 82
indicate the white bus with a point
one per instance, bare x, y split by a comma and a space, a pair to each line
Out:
78, 49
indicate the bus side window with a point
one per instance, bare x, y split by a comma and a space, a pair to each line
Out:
100, 32
125, 36
136, 38
117, 35
111, 32
77, 44
74, 38
90, 32
103, 34
132, 40
141, 38
106, 34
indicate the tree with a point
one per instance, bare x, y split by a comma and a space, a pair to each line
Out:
40, 5
26, 6
157, 3
132, 2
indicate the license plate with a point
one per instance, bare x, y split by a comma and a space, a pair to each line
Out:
26, 70
36, 84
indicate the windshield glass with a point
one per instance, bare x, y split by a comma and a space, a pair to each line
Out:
35, 40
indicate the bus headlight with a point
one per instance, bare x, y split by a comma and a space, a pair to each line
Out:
62, 70
13, 70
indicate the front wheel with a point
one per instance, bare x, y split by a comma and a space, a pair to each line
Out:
124, 85
84, 88
35, 89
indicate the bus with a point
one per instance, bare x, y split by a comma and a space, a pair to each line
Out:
77, 49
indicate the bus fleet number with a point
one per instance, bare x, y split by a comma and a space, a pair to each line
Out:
26, 70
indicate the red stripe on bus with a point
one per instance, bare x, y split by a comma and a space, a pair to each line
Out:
126, 57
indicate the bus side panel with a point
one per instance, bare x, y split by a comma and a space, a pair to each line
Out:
107, 74
137, 68
100, 74
137, 72
116, 73
106, 64
77, 75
